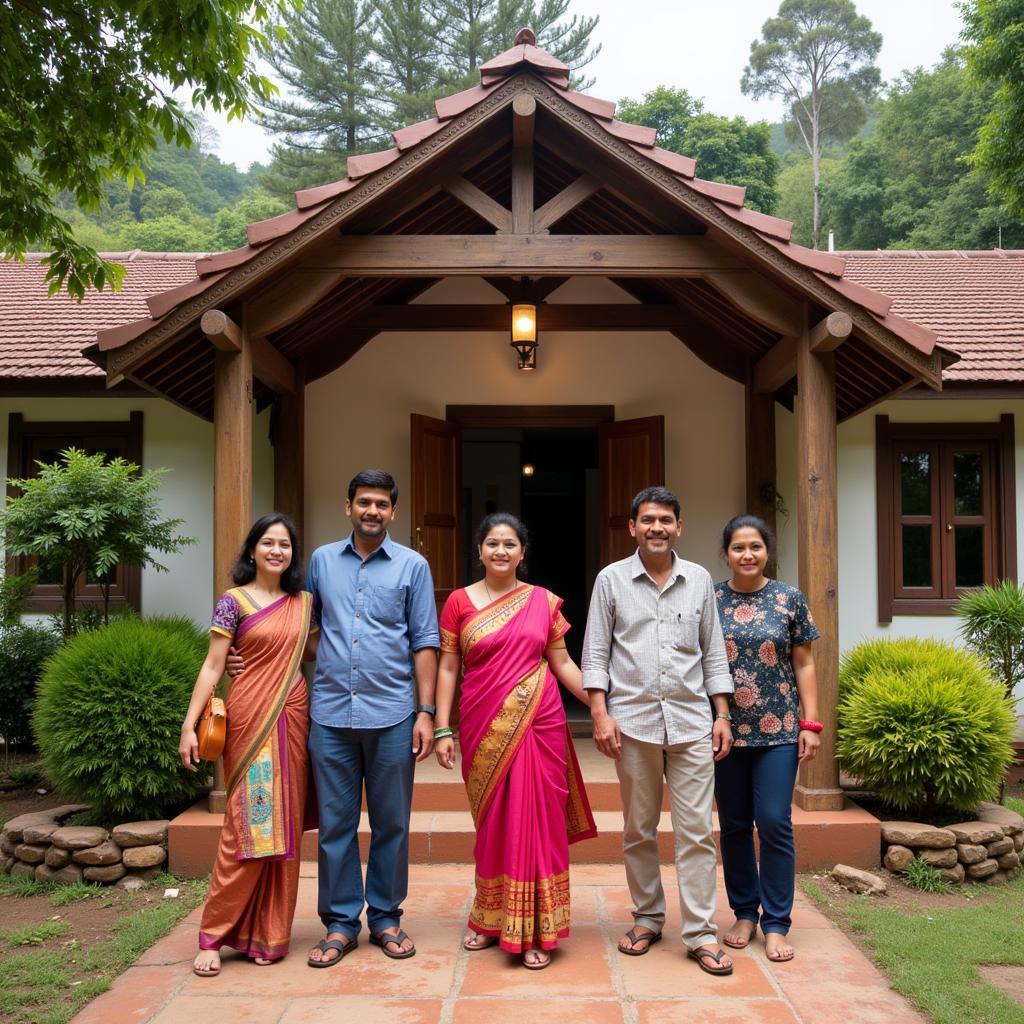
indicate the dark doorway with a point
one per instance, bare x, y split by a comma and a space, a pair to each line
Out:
548, 476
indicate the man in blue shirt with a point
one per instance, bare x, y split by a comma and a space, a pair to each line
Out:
372, 711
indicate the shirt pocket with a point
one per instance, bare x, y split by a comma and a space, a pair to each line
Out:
688, 633
387, 604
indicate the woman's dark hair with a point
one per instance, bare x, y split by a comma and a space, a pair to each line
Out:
244, 570
489, 522
748, 521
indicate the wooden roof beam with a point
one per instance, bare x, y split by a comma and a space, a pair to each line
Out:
501, 255
775, 367
536, 290
223, 332
479, 202
761, 300
524, 113
828, 335
565, 202
271, 367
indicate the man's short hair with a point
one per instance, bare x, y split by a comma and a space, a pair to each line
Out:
654, 496
378, 479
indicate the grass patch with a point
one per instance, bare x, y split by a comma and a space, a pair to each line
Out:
51, 984
76, 892
14, 885
1015, 805
933, 957
924, 876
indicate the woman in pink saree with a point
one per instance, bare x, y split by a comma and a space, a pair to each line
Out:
518, 762
251, 901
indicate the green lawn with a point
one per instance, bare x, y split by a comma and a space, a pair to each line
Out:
932, 957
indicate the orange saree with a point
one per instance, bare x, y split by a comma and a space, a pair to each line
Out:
251, 902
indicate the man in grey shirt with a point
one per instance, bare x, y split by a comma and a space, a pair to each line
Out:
652, 657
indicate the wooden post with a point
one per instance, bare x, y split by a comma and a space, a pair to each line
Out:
761, 475
524, 110
817, 503
289, 453
232, 480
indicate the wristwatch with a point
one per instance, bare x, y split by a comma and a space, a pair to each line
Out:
724, 718
430, 709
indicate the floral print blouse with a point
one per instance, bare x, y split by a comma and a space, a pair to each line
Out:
761, 629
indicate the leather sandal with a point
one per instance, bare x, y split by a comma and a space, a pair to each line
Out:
701, 955
634, 937
536, 965
384, 939
472, 947
343, 948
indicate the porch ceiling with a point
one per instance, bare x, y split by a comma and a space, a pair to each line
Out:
734, 283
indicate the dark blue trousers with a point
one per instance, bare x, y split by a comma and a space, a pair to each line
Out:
343, 761
754, 786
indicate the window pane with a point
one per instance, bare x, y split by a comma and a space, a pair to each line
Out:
970, 556
917, 556
967, 484
50, 575
915, 483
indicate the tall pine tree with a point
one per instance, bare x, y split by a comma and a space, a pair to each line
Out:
406, 41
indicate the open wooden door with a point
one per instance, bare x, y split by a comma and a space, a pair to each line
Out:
437, 500
632, 456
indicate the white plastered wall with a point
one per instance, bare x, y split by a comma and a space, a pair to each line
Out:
183, 443
358, 416
858, 541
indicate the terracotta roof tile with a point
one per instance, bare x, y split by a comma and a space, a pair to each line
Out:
44, 337
731, 195
412, 134
823, 262
307, 197
639, 134
263, 231
604, 110
762, 223
684, 166
362, 164
448, 107
870, 298
507, 62
224, 260
163, 302
973, 301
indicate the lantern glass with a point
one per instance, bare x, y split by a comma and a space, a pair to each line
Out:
524, 322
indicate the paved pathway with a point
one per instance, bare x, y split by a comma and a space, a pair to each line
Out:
830, 980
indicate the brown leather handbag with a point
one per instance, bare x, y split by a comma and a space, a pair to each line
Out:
212, 729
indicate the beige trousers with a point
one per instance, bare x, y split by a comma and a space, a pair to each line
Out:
690, 772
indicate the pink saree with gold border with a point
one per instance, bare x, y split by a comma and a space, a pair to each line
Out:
251, 902
522, 777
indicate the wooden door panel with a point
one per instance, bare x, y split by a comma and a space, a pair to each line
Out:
632, 456
436, 447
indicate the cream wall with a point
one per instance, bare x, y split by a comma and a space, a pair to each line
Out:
358, 416
183, 443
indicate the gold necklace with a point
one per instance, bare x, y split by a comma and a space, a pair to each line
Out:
491, 598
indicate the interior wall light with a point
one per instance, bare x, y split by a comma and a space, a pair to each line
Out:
529, 469
524, 333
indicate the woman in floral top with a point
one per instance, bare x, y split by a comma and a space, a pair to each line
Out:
768, 632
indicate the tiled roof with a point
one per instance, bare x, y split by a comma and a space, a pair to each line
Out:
44, 337
973, 301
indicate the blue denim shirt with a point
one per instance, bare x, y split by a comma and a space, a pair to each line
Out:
373, 615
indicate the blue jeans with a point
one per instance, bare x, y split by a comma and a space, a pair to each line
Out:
343, 760
754, 786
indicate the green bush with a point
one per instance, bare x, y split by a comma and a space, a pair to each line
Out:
919, 874
23, 650
924, 724
108, 715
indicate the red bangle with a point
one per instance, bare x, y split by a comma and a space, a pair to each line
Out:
811, 726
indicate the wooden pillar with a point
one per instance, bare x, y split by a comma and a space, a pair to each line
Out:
289, 439
232, 474
817, 504
524, 110
760, 447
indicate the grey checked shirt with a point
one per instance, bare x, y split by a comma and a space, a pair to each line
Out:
658, 656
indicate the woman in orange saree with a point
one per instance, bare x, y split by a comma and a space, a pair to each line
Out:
518, 762
251, 900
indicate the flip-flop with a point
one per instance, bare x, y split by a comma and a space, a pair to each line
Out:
635, 937
700, 955
538, 965
343, 948
384, 939
474, 947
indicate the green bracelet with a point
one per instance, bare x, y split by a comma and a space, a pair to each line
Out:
439, 734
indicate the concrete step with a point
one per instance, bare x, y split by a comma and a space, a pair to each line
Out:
823, 838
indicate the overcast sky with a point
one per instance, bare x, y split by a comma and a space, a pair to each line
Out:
698, 46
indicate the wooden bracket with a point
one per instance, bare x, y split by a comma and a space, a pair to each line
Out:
775, 367
479, 202
565, 202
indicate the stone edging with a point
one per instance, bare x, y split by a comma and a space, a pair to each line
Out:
987, 849
36, 845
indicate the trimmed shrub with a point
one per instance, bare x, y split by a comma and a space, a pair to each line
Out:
23, 650
924, 724
109, 712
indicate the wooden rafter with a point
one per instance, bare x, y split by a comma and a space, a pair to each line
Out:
761, 300
828, 335
775, 367
483, 255
479, 202
565, 202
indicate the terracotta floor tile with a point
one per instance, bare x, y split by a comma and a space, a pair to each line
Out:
440, 902
472, 1011
341, 1009
597, 874
237, 1009
135, 997
716, 1011
580, 967
584, 904
666, 972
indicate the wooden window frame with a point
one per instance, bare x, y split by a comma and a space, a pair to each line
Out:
22, 437
1000, 549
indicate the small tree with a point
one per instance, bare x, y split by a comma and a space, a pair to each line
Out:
87, 515
992, 624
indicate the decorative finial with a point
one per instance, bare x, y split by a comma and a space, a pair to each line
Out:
525, 36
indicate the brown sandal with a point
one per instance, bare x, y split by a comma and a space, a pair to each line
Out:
702, 954
634, 937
